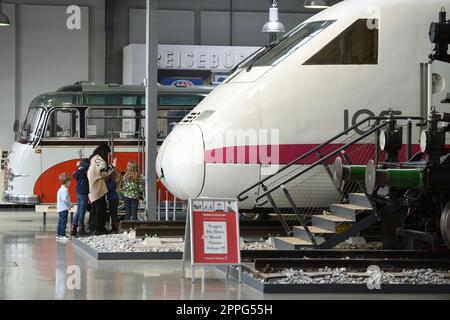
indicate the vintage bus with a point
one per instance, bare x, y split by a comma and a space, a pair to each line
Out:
63, 126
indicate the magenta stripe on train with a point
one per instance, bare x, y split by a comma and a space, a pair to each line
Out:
285, 153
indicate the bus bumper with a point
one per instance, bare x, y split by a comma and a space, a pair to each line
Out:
21, 198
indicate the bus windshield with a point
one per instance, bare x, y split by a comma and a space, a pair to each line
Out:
30, 127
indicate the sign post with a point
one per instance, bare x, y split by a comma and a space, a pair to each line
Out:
212, 234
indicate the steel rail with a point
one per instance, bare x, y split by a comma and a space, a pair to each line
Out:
383, 263
250, 255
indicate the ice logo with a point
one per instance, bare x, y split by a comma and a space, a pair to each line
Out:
374, 280
73, 21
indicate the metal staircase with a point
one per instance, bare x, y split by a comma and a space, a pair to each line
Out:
299, 188
325, 226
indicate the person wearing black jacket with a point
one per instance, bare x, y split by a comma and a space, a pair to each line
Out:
82, 190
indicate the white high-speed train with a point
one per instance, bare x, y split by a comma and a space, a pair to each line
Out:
358, 54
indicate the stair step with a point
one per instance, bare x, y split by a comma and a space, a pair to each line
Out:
291, 243
301, 233
347, 211
359, 199
313, 229
332, 223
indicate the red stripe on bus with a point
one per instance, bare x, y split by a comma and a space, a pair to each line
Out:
48, 184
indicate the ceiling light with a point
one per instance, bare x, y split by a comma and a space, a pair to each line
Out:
317, 4
273, 25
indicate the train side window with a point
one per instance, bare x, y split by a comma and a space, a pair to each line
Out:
358, 44
63, 123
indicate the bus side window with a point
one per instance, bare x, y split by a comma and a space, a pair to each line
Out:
63, 123
123, 122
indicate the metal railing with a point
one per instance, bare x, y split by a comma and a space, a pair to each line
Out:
242, 196
303, 173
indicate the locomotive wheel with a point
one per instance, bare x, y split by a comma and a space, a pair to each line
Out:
445, 224
371, 177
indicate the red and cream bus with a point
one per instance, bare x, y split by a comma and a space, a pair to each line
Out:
63, 126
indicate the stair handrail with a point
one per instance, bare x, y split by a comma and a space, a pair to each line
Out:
321, 160
305, 155
330, 155
379, 119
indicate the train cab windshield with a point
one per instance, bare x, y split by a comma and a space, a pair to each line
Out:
357, 45
289, 43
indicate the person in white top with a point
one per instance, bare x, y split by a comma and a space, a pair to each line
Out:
63, 205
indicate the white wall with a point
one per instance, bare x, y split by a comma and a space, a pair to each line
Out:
174, 26
215, 28
39, 54
49, 54
133, 60
203, 22
178, 27
7, 78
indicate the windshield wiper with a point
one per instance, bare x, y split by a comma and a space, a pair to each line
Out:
259, 55
246, 60
254, 56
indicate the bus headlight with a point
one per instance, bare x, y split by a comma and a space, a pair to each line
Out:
11, 174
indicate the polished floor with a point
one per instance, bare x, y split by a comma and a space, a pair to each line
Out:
34, 266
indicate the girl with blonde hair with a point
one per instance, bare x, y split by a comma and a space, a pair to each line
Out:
132, 188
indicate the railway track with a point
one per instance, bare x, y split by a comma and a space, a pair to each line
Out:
345, 271
275, 264
248, 228
351, 259
261, 228
251, 255
346, 266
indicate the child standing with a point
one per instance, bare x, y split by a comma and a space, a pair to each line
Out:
82, 190
63, 206
113, 183
132, 187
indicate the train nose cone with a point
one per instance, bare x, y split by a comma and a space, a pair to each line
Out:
180, 162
